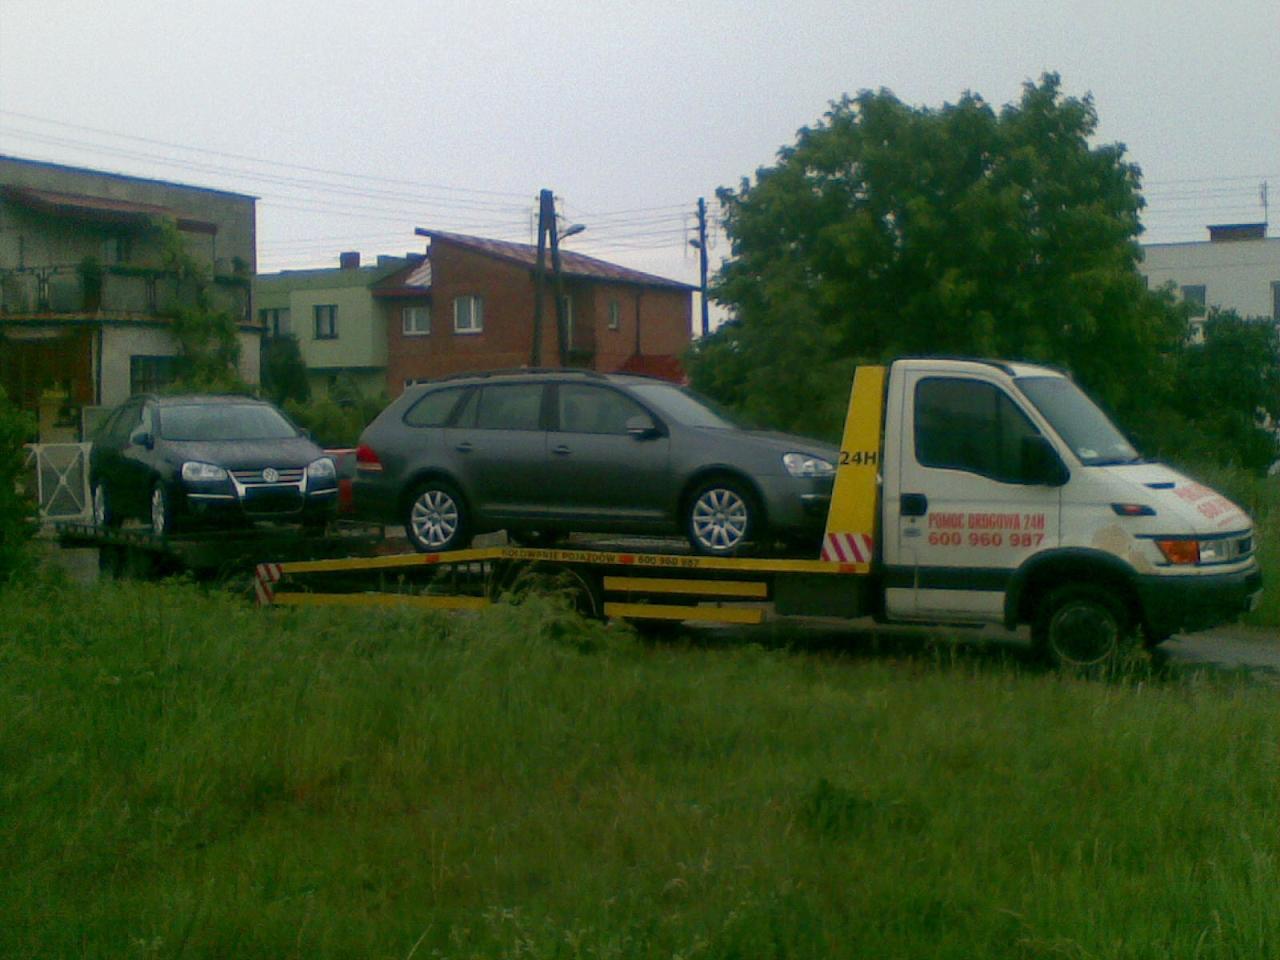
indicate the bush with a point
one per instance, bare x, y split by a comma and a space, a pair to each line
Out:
17, 512
338, 419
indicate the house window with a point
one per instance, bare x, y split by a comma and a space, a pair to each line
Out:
1194, 294
326, 315
415, 321
151, 374
615, 315
275, 321
468, 314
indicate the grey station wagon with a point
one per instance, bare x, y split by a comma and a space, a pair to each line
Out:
546, 453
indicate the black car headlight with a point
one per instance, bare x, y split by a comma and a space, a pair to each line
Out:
193, 471
322, 469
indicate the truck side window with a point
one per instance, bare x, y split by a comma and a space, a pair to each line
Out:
969, 425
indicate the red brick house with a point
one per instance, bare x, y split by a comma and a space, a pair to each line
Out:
470, 306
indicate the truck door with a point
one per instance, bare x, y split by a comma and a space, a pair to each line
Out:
965, 511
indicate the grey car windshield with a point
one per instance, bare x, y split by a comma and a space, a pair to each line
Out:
683, 407
224, 421
1078, 421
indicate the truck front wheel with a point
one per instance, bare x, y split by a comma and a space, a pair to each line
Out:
1080, 625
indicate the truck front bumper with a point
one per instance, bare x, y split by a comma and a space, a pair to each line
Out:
1171, 604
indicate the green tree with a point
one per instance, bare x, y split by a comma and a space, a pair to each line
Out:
17, 512
1227, 402
284, 374
889, 229
208, 341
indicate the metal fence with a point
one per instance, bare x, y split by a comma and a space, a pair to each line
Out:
59, 473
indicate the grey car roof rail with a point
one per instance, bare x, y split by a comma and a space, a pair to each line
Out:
520, 371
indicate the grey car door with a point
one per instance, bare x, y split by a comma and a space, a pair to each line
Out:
498, 447
603, 465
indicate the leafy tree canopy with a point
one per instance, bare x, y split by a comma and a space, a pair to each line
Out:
889, 230
1227, 403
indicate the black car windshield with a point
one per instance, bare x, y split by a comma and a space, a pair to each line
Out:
224, 421
1092, 437
683, 406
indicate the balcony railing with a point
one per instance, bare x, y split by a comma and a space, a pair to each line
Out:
33, 292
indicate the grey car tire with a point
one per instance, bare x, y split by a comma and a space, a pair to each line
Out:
721, 517
436, 518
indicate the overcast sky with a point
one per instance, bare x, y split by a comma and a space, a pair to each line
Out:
355, 124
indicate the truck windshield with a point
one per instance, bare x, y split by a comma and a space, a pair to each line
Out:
1092, 437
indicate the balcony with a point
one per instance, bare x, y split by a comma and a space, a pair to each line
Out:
135, 295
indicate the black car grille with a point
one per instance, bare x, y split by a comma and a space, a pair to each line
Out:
254, 477
266, 500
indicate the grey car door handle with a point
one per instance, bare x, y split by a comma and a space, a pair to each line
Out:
463, 447
561, 451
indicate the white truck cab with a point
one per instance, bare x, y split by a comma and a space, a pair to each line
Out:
1008, 497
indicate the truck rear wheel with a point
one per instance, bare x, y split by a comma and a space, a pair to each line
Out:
1081, 625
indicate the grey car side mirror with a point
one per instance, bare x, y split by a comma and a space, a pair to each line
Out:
142, 437
642, 428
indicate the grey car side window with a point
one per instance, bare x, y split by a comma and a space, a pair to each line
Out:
590, 409
510, 406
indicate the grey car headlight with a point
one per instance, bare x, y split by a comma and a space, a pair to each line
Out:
193, 471
322, 469
804, 465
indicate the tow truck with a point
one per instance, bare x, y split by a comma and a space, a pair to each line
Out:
968, 492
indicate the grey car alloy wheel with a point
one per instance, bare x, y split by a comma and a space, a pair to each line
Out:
719, 519
435, 519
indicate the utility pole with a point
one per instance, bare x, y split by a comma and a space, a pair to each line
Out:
546, 221
558, 287
701, 246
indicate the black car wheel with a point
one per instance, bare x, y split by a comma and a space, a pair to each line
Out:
721, 517
162, 522
104, 514
436, 519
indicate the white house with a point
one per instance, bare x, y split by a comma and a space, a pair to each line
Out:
1237, 268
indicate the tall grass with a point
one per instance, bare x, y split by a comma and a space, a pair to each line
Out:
185, 775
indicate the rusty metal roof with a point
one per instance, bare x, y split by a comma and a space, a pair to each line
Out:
572, 264
107, 209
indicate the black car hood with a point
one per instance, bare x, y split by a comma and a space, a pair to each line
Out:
245, 454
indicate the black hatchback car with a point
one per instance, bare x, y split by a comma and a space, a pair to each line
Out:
207, 460
543, 453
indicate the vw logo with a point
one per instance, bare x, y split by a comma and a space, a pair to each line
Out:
270, 475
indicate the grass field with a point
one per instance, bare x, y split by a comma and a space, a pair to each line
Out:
185, 775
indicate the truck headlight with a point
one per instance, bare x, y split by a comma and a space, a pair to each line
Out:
322, 469
804, 465
193, 471
1190, 552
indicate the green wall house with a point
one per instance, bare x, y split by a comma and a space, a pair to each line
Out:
340, 327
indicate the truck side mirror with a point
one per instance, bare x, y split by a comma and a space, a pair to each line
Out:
1041, 463
142, 437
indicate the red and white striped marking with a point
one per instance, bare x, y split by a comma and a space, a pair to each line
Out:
848, 547
267, 574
